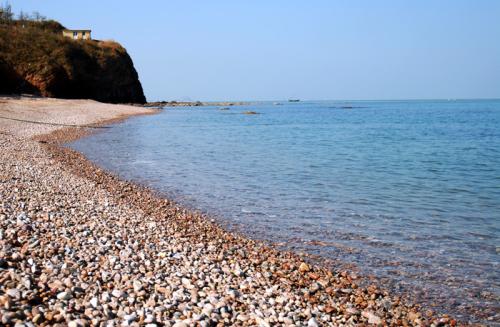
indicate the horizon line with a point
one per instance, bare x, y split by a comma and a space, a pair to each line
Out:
310, 100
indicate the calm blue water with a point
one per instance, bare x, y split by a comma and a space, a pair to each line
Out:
408, 191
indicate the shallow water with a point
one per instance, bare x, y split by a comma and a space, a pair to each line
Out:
409, 191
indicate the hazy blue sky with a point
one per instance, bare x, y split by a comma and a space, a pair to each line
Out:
265, 50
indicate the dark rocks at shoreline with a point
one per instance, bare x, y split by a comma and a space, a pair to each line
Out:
161, 104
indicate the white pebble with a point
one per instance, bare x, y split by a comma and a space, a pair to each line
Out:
312, 323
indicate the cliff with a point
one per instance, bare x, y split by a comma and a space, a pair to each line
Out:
35, 58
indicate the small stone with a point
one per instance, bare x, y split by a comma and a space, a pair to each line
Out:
387, 305
3, 263
304, 267
352, 311
312, 323
187, 283
64, 296
149, 319
14, 293
137, 286
208, 309
314, 288
38, 318
130, 318
27, 283
7, 318
109, 314
261, 322
280, 299
76, 323
49, 316
238, 272
372, 318
117, 293
105, 297
233, 294
94, 302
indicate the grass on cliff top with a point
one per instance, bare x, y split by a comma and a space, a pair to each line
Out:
32, 47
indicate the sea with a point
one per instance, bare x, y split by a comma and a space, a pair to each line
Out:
405, 193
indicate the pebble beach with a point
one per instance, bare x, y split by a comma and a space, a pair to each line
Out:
80, 247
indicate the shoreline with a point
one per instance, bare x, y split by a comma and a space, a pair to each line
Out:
231, 278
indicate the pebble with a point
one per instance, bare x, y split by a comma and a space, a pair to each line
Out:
105, 297
76, 323
261, 322
149, 319
372, 318
117, 293
94, 302
304, 267
64, 296
312, 323
14, 293
137, 286
129, 318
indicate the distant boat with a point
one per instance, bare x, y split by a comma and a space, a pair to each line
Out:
293, 100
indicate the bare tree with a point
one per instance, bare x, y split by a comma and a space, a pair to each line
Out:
23, 16
37, 17
6, 13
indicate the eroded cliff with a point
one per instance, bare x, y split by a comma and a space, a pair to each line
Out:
35, 58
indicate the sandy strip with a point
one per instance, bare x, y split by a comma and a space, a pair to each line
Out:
80, 247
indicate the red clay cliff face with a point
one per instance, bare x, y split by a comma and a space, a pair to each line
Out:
36, 59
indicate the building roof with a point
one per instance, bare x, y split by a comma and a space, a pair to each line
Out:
71, 30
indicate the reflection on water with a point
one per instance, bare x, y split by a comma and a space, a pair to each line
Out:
407, 190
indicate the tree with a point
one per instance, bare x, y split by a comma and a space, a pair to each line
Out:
23, 16
37, 17
6, 13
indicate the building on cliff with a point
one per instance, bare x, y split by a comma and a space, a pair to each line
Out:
77, 34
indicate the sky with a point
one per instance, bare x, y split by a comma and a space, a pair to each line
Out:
310, 50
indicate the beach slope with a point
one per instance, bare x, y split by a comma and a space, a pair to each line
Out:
80, 247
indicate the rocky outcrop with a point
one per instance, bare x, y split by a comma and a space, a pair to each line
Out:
36, 58
11, 82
